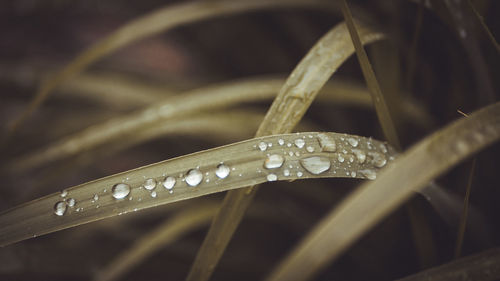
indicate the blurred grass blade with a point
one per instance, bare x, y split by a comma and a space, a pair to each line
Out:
465, 212
311, 155
371, 202
480, 19
158, 21
124, 127
484, 266
290, 105
380, 105
150, 122
188, 219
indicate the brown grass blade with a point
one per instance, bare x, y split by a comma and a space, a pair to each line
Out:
165, 115
379, 103
168, 232
290, 105
373, 201
254, 161
158, 21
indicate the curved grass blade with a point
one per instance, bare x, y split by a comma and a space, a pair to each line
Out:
290, 105
279, 157
373, 201
203, 99
158, 21
168, 232
150, 122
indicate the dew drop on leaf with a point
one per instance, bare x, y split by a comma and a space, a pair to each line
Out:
379, 160
272, 177
360, 155
194, 177
341, 158
299, 143
150, 184
120, 190
169, 182
222, 171
60, 208
262, 146
316, 164
353, 142
71, 202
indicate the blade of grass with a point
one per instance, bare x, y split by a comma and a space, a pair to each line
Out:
371, 202
150, 122
168, 232
423, 239
194, 176
158, 21
484, 266
465, 212
206, 98
480, 19
379, 103
287, 109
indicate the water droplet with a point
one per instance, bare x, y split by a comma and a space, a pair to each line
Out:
316, 164
222, 171
360, 155
194, 177
169, 183
120, 190
64, 193
310, 149
290, 153
262, 146
353, 174
327, 144
299, 174
281, 142
60, 208
270, 144
71, 202
297, 153
299, 143
341, 158
96, 197
289, 144
272, 177
379, 160
153, 194
351, 159
150, 184
286, 173
274, 161
369, 174
383, 148
353, 142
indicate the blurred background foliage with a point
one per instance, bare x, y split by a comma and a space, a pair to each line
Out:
443, 61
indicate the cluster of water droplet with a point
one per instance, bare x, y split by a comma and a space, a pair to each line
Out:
305, 153
355, 159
